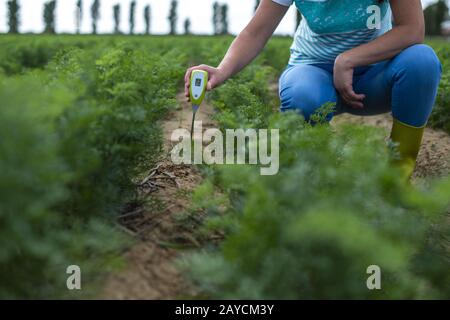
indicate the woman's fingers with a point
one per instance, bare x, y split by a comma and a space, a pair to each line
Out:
353, 99
343, 81
209, 85
213, 81
353, 103
350, 93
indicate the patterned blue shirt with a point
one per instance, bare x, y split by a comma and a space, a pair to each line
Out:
330, 27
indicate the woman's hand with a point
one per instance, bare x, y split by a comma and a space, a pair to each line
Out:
343, 82
409, 29
216, 77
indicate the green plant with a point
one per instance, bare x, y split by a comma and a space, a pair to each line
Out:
113, 125
245, 101
70, 154
74, 148
38, 240
336, 208
310, 232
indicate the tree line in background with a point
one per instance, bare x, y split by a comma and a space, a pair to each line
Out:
435, 15
220, 18
49, 17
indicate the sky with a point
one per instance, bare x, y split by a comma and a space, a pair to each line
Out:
199, 12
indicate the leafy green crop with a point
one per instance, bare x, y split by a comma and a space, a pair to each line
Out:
38, 240
74, 137
80, 119
310, 232
115, 122
336, 207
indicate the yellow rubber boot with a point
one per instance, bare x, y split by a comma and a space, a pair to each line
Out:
409, 139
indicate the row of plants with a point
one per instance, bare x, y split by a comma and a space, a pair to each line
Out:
81, 119
75, 135
20, 53
24, 52
336, 207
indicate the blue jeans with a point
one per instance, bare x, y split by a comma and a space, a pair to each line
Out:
406, 85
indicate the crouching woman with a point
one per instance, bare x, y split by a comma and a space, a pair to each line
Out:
339, 55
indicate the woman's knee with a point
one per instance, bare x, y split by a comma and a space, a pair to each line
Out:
419, 61
301, 98
416, 73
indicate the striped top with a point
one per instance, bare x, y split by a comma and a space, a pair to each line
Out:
331, 27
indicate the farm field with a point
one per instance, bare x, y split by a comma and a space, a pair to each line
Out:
86, 178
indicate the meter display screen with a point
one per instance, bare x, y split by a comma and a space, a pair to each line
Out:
198, 82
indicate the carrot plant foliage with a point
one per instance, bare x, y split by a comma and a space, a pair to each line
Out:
75, 134
80, 120
336, 207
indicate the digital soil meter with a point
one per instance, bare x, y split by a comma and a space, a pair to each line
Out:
197, 92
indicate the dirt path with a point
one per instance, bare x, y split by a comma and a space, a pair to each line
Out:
149, 272
434, 156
